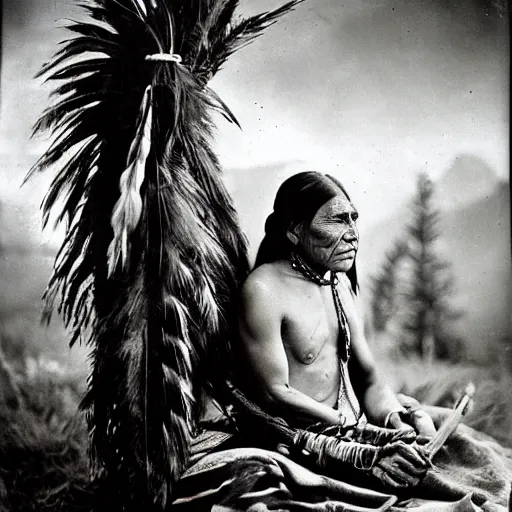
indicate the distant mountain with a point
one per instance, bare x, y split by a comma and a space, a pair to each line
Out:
468, 179
476, 240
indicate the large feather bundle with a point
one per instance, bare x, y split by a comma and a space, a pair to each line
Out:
153, 256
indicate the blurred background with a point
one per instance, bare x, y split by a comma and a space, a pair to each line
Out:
407, 103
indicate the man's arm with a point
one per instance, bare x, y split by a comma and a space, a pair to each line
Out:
381, 404
260, 322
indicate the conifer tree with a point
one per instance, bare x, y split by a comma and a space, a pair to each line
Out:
430, 284
414, 285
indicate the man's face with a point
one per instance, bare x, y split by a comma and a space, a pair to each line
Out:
331, 240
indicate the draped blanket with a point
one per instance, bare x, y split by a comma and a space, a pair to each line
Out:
472, 473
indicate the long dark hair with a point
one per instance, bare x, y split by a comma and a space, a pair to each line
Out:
297, 201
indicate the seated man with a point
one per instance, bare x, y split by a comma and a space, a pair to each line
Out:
301, 323
315, 428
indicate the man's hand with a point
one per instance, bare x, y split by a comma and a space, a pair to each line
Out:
416, 416
399, 465
422, 428
395, 421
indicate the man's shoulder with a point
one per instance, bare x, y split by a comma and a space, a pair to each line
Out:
263, 294
266, 280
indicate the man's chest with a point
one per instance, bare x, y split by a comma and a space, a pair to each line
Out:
310, 325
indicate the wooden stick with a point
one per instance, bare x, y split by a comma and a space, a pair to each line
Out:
450, 424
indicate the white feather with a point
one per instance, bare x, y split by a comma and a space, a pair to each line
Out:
128, 208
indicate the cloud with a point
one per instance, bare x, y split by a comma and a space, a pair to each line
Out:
373, 89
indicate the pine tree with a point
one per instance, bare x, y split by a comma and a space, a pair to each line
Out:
430, 284
414, 285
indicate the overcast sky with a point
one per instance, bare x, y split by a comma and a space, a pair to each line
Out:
373, 91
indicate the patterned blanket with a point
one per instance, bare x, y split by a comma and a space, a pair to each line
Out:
472, 473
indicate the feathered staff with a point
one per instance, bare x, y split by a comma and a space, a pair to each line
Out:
153, 254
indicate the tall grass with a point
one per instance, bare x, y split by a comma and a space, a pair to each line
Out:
43, 442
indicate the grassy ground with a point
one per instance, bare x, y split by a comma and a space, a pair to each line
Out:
43, 443
43, 459
443, 383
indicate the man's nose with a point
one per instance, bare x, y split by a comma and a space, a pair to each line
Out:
351, 233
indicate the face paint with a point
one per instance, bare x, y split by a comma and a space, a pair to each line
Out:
330, 242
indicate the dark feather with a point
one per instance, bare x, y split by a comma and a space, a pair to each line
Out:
160, 330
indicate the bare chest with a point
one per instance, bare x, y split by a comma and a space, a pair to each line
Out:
310, 328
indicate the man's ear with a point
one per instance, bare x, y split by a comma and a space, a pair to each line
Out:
292, 235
